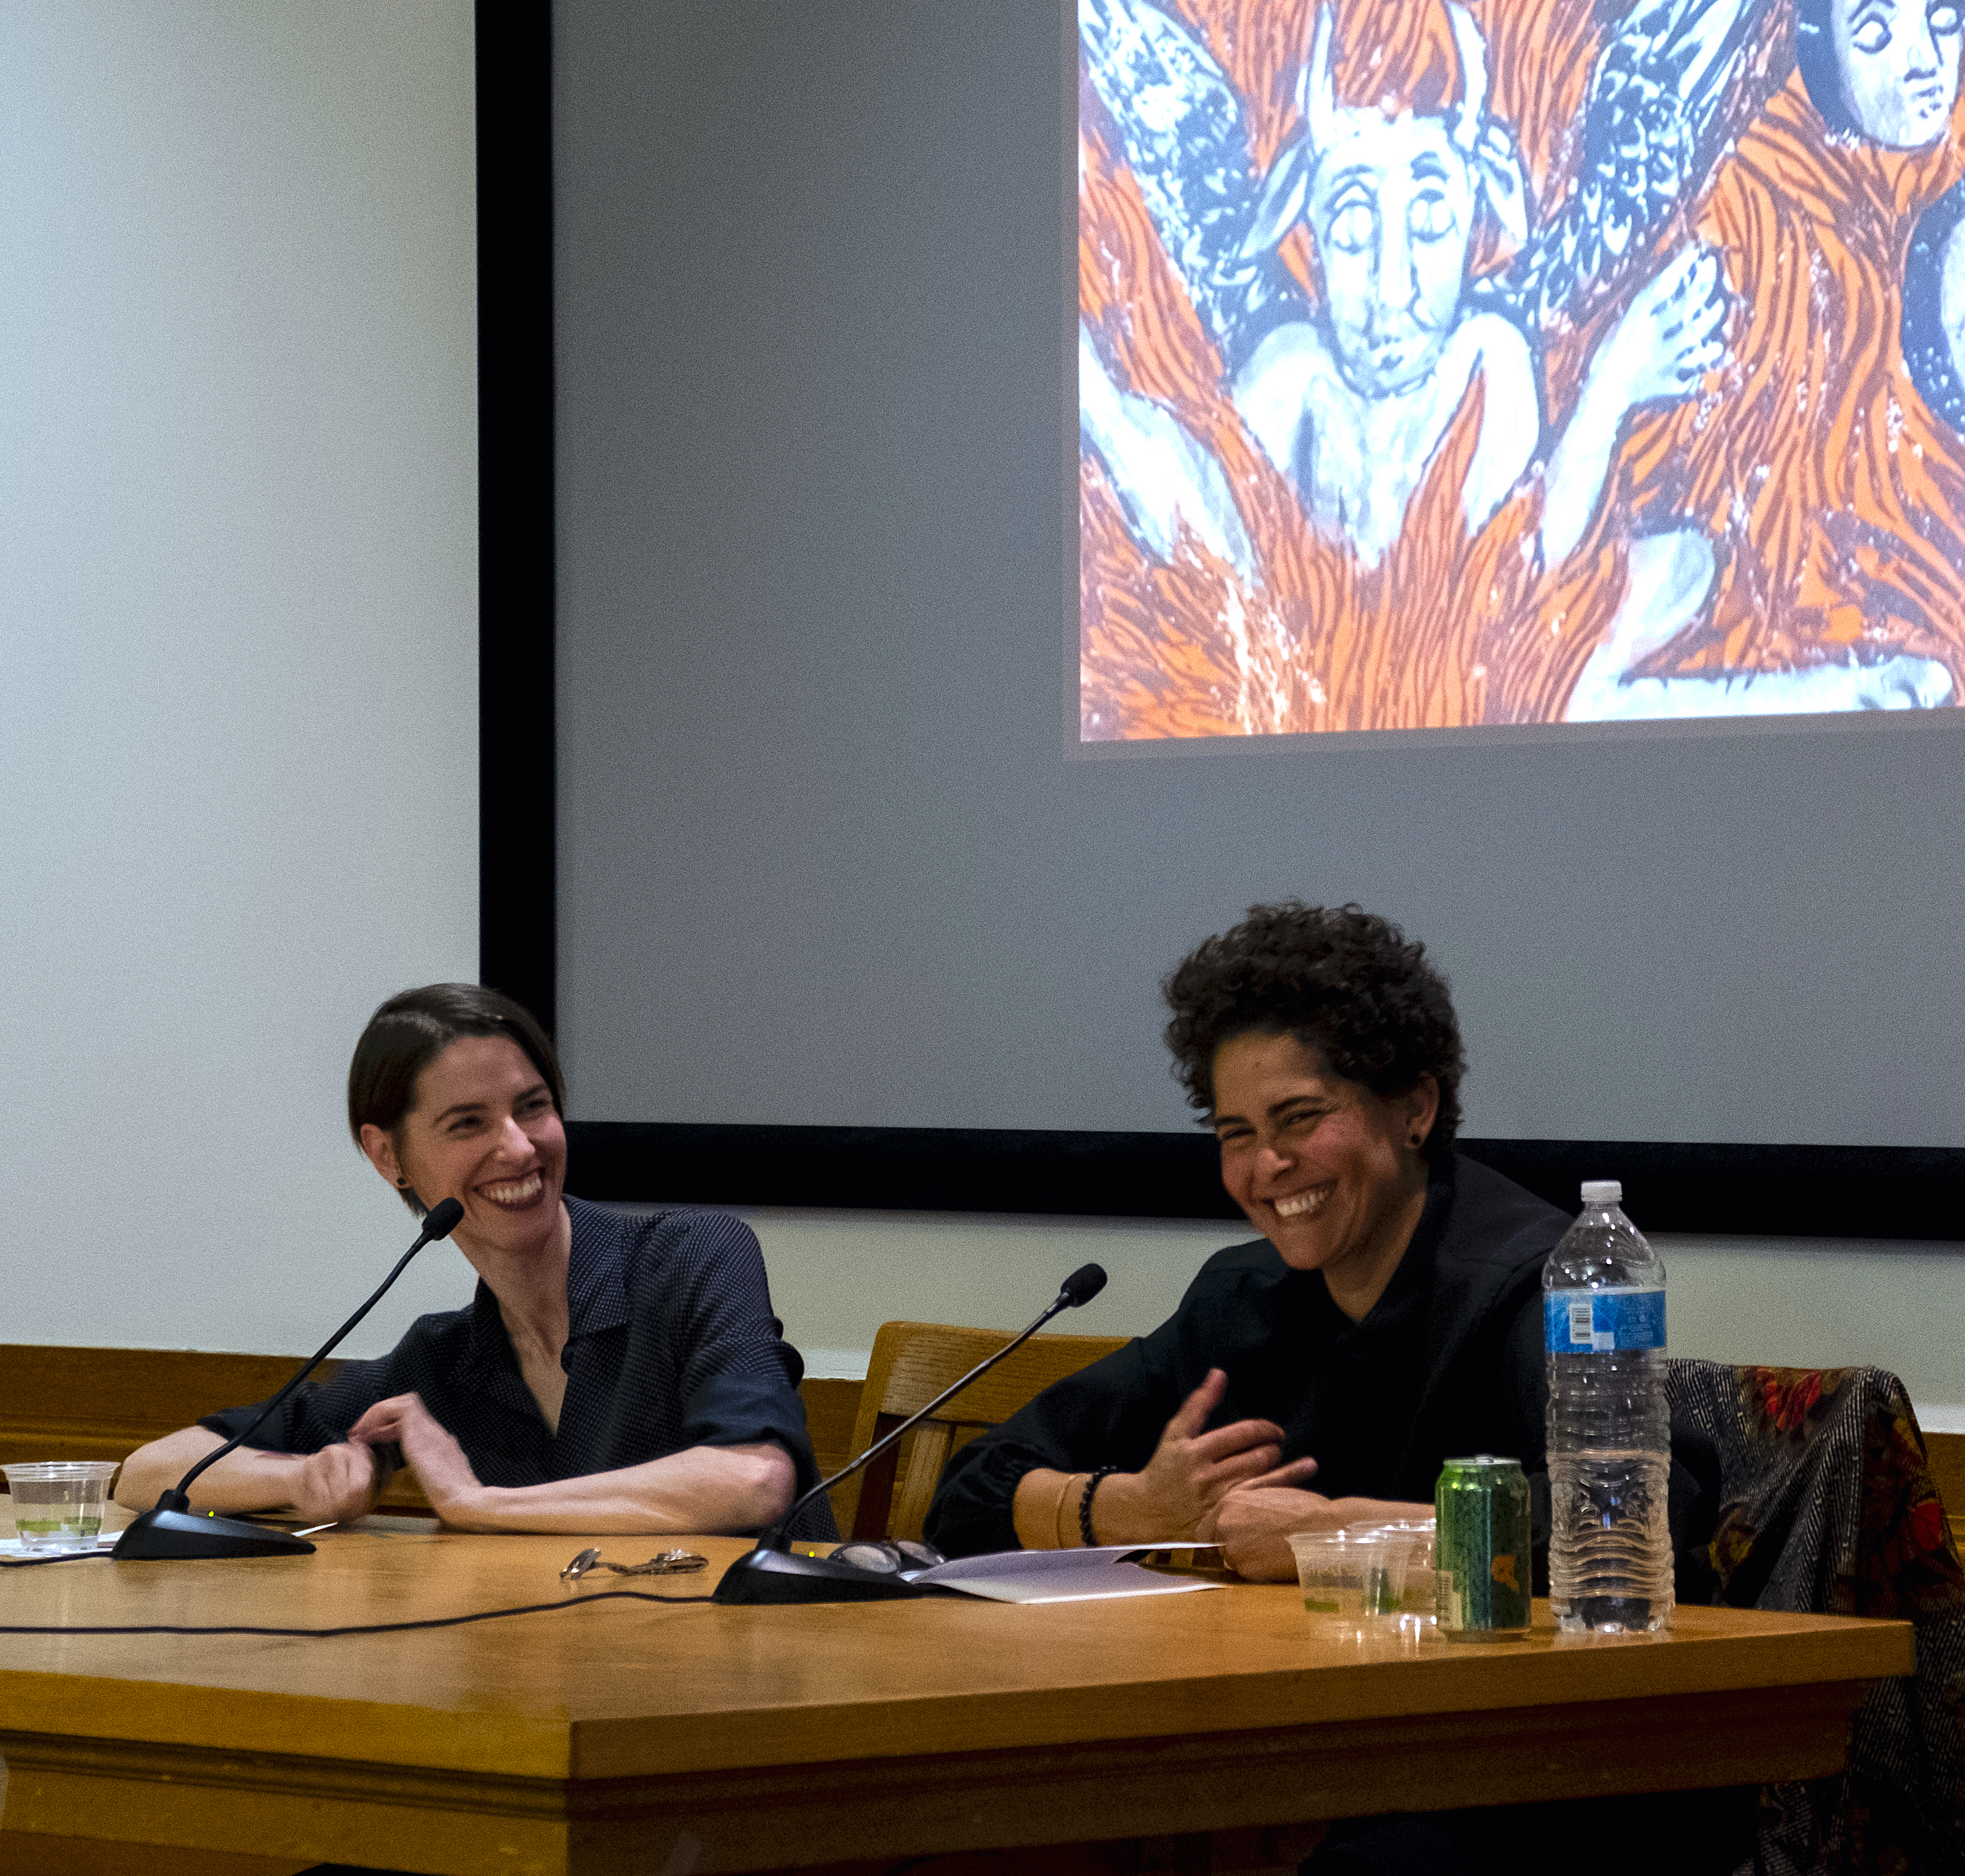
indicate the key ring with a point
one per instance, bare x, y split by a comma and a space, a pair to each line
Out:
669, 1563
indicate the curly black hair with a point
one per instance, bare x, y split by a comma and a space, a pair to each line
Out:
1343, 981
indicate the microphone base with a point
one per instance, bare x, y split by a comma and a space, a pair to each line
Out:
162, 1533
778, 1576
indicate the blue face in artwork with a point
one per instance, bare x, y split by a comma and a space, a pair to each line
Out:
1391, 206
1899, 63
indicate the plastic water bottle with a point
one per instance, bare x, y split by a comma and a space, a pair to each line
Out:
1609, 1441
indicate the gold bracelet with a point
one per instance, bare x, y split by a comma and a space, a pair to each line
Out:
1059, 1540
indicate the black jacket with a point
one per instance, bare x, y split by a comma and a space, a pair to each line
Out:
671, 1343
1449, 1361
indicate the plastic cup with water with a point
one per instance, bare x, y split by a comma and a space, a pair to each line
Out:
1415, 1600
59, 1504
1353, 1582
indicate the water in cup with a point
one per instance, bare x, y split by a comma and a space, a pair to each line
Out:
1351, 1581
1414, 1606
58, 1503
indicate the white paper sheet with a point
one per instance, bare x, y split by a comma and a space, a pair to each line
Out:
1087, 1575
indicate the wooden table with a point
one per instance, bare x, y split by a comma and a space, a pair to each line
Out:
669, 1741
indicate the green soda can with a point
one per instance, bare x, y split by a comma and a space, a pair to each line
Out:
1481, 1551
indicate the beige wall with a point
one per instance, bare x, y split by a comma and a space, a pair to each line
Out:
239, 710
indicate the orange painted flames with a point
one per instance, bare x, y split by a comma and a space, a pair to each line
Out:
1836, 502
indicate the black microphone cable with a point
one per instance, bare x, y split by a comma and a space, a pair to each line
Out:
358, 1628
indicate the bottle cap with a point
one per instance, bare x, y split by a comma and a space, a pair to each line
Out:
1602, 1191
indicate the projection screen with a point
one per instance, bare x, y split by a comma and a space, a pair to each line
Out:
833, 852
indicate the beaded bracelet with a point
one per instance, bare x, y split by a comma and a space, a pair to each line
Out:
1085, 1504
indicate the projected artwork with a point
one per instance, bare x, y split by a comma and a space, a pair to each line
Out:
1517, 361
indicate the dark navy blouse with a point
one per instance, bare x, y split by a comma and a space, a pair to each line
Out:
671, 1344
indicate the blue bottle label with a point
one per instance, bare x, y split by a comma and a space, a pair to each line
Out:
1576, 1322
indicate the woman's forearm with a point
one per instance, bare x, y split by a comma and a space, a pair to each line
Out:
705, 1490
1253, 1526
1037, 1509
248, 1479
1045, 1511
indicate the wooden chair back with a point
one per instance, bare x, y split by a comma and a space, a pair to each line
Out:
1947, 1453
912, 1362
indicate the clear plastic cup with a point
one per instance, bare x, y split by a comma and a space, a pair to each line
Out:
1352, 1582
59, 1503
1417, 1535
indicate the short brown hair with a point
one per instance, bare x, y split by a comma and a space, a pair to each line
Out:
414, 1027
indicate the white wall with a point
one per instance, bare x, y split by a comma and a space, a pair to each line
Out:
835, 1276
238, 642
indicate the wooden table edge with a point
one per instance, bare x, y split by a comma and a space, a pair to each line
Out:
533, 1742
769, 1817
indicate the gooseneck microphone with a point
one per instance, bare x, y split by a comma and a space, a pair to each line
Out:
172, 1529
771, 1573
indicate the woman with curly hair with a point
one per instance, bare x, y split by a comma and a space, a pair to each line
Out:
1389, 1314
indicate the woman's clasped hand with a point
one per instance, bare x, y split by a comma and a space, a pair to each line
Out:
431, 1451
336, 1484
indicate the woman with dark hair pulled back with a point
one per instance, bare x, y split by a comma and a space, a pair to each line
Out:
612, 1374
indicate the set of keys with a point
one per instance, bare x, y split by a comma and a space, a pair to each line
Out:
669, 1563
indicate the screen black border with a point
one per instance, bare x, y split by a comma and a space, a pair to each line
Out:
1840, 1192
517, 910
1724, 1190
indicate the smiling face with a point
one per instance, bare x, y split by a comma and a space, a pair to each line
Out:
1899, 64
1392, 207
482, 1130
1326, 1170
